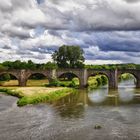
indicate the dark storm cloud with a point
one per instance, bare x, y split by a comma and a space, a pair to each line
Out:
6, 47
132, 1
117, 45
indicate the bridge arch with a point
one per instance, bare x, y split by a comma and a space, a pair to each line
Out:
68, 76
7, 77
11, 73
33, 77
136, 79
101, 74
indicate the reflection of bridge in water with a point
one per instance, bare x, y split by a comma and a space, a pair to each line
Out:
83, 75
101, 96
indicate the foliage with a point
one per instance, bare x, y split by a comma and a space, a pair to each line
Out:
57, 83
54, 83
69, 57
74, 63
104, 80
126, 76
96, 81
27, 65
74, 83
114, 66
11, 92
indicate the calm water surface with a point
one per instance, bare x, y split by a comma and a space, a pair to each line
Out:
75, 116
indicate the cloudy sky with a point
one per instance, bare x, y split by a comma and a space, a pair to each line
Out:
107, 30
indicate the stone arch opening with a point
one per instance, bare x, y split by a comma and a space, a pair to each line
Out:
37, 79
8, 79
127, 79
97, 79
69, 79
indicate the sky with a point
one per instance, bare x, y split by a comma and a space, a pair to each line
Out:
107, 30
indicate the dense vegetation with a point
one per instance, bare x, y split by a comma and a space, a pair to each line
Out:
126, 76
26, 65
114, 66
69, 57
96, 81
51, 65
58, 83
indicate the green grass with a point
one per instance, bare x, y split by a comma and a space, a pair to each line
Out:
11, 92
37, 97
52, 96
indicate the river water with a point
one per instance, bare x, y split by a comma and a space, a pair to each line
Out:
75, 116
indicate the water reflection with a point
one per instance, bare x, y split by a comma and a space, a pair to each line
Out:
98, 95
103, 96
126, 95
74, 106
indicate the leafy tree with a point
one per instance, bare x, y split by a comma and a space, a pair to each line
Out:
50, 65
31, 65
69, 57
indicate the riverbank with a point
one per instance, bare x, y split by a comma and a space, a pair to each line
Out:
34, 95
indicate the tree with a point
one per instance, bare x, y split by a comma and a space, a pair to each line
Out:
69, 57
30, 65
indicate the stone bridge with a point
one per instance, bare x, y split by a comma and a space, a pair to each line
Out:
82, 74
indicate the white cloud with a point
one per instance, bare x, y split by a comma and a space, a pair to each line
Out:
72, 22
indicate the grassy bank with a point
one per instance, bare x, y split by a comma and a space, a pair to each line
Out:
34, 95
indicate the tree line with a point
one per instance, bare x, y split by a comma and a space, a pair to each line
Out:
64, 57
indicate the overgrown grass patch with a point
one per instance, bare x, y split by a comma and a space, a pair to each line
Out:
11, 92
37, 97
51, 96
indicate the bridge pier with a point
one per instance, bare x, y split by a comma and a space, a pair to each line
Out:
113, 79
22, 79
22, 82
83, 79
138, 83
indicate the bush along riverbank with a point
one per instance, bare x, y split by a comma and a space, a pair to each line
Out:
93, 82
32, 96
74, 83
126, 76
97, 81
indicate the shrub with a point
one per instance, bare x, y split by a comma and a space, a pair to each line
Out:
53, 82
104, 80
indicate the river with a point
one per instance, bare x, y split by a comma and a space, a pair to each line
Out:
75, 116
